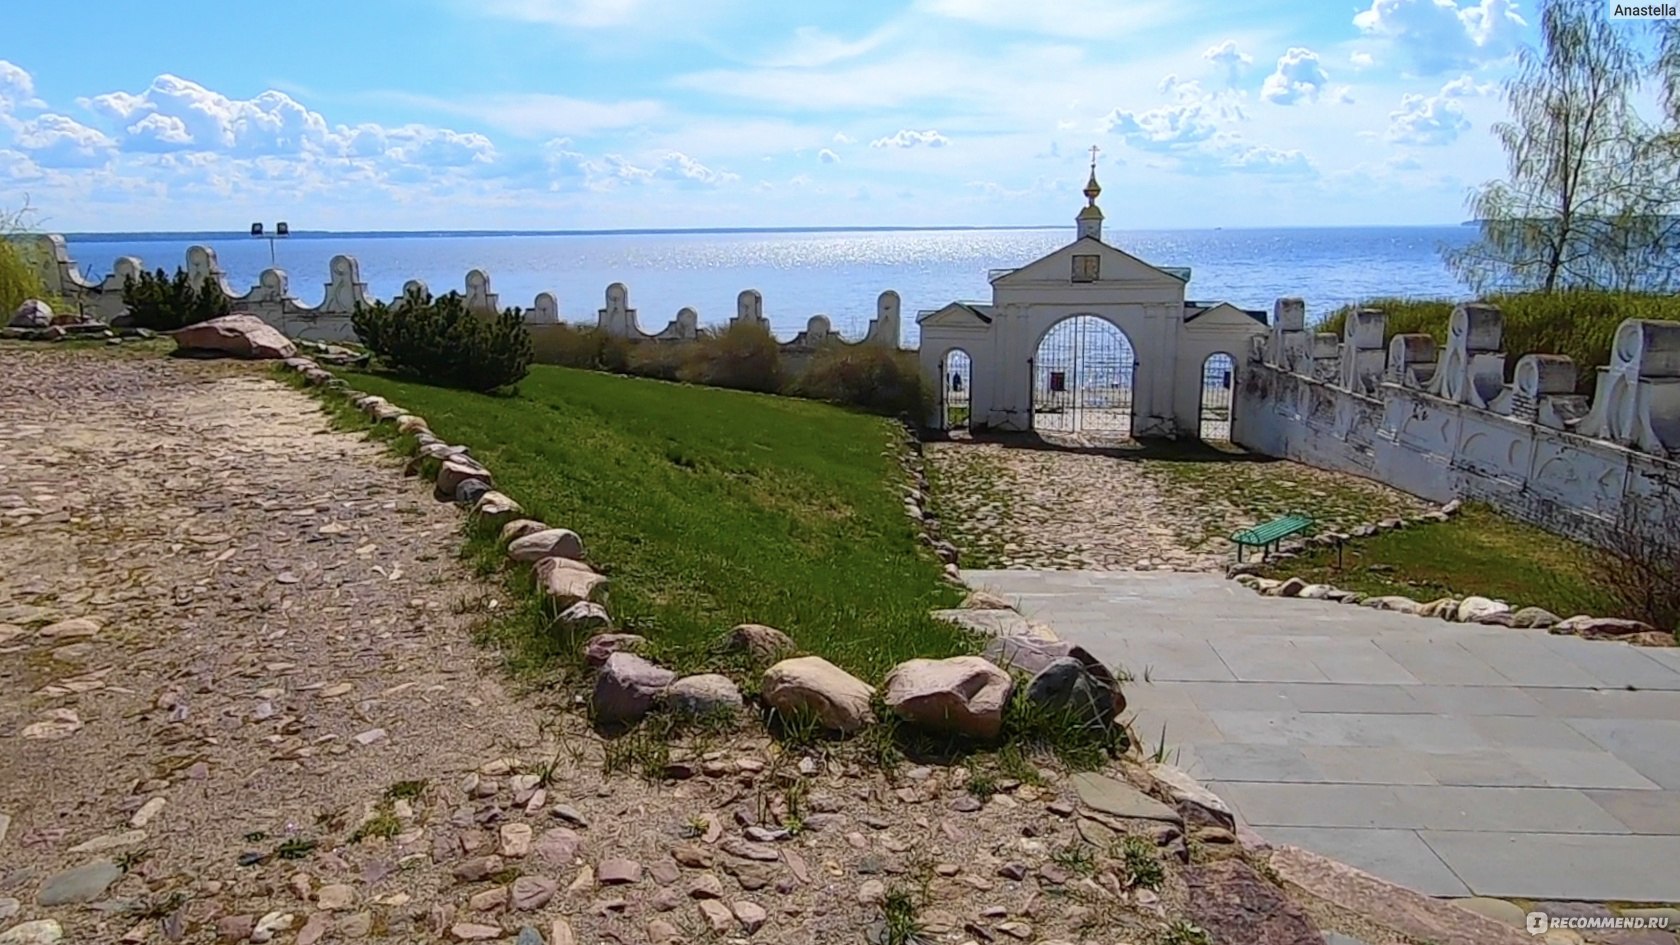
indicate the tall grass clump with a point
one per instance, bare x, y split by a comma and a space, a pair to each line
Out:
586, 347
1579, 324
876, 379
19, 278
439, 340
740, 356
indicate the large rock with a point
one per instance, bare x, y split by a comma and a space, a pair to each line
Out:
1601, 627
704, 696
458, 469
1196, 804
550, 542
495, 508
519, 528
1445, 608
986, 600
1230, 902
1086, 686
585, 617
82, 884
627, 687
1395, 603
241, 335
566, 582
602, 646
1534, 618
33, 313
812, 684
760, 641
1473, 609
965, 695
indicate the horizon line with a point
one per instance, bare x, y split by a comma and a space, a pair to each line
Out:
678, 231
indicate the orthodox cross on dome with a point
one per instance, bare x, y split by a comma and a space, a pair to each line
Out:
1090, 218
1093, 190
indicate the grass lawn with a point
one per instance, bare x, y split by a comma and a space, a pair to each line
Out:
708, 508
1478, 552
1224, 489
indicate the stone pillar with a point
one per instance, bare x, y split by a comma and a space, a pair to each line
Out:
1363, 356
1472, 368
1638, 398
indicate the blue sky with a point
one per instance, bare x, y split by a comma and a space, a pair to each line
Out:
561, 114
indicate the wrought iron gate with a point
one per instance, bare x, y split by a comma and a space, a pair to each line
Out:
1219, 374
1082, 379
956, 382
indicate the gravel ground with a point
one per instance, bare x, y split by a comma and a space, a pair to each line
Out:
240, 701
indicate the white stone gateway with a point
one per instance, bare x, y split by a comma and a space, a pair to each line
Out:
1038, 346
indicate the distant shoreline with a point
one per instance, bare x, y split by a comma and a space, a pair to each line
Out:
178, 235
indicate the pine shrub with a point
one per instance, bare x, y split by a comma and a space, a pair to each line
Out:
876, 379
161, 303
441, 342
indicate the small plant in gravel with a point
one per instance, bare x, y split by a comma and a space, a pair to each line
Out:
1183, 932
406, 790
1076, 858
295, 849
1141, 863
128, 861
900, 913
1066, 733
981, 784
696, 826
383, 824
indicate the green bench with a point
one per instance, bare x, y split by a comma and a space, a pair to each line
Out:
1266, 537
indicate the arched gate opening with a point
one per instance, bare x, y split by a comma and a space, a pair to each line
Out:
1219, 375
1083, 371
956, 390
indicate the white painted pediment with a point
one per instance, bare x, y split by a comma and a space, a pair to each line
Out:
1113, 266
955, 315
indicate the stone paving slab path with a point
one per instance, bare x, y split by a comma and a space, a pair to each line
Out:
1458, 760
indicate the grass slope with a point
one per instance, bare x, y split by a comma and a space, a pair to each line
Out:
709, 508
1478, 552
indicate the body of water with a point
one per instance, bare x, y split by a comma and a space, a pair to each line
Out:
803, 273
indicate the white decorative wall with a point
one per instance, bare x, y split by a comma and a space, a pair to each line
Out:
1444, 424
329, 320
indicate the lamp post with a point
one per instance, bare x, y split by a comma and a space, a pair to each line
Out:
281, 231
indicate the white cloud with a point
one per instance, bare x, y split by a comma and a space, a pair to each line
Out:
828, 157
535, 115
17, 87
910, 139
60, 141
1361, 60
813, 48
565, 166
582, 14
1196, 117
1438, 35
840, 137
1299, 76
1432, 120
1466, 86
188, 115
1267, 160
1228, 56
1075, 19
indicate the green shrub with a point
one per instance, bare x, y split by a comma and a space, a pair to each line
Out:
742, 356
441, 342
588, 348
874, 378
160, 303
1579, 324
660, 359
